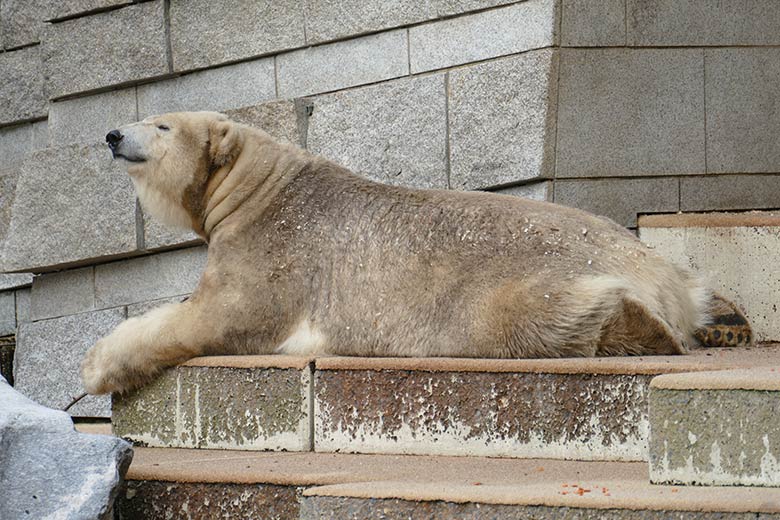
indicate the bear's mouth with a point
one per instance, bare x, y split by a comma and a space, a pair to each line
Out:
128, 158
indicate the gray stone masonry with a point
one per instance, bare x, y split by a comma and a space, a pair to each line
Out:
12, 281
342, 64
206, 33
83, 54
593, 23
502, 120
703, 22
60, 294
48, 229
7, 313
516, 28
285, 120
149, 277
52, 471
630, 112
23, 306
619, 199
137, 309
727, 192
394, 132
21, 21
89, 119
222, 88
333, 20
161, 236
743, 89
535, 190
21, 85
74, 8
48, 359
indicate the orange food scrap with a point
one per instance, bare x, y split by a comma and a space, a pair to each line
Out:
540, 468
675, 490
564, 492
477, 483
564, 485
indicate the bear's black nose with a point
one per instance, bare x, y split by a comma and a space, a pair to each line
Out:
113, 138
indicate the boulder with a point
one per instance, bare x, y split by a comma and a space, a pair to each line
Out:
48, 469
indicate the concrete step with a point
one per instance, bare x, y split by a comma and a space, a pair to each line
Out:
716, 428
172, 483
581, 409
737, 253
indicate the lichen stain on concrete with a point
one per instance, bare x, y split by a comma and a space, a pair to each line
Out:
516, 414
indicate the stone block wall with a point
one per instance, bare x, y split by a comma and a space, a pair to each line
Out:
620, 107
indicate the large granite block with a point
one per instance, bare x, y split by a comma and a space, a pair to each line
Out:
593, 23
206, 33
542, 191
22, 95
502, 120
161, 236
222, 88
15, 144
394, 132
743, 88
7, 313
516, 28
286, 120
630, 112
105, 49
342, 64
729, 192
223, 402
703, 22
21, 21
619, 199
12, 281
716, 428
333, 20
23, 305
48, 359
72, 204
89, 119
78, 8
149, 277
63, 293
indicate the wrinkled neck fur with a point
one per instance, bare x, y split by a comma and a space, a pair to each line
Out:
259, 172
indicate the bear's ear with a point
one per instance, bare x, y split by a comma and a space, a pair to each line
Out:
223, 142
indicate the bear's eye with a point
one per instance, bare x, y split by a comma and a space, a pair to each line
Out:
163, 127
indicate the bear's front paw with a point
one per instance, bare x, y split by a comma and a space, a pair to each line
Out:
98, 371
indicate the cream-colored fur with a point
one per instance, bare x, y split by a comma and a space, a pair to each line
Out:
308, 258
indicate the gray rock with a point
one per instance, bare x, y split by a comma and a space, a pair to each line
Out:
7, 313
488, 34
21, 85
81, 54
8, 179
226, 87
502, 120
15, 144
703, 22
51, 471
593, 23
394, 132
630, 112
89, 119
161, 236
23, 306
63, 293
535, 191
21, 21
729, 192
619, 199
40, 134
743, 88
343, 64
138, 309
206, 33
73, 8
148, 278
72, 204
286, 120
48, 359
332, 20
13, 281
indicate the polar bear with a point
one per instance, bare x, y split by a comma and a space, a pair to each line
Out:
307, 258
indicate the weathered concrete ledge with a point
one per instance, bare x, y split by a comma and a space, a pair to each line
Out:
222, 402
716, 428
334, 485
